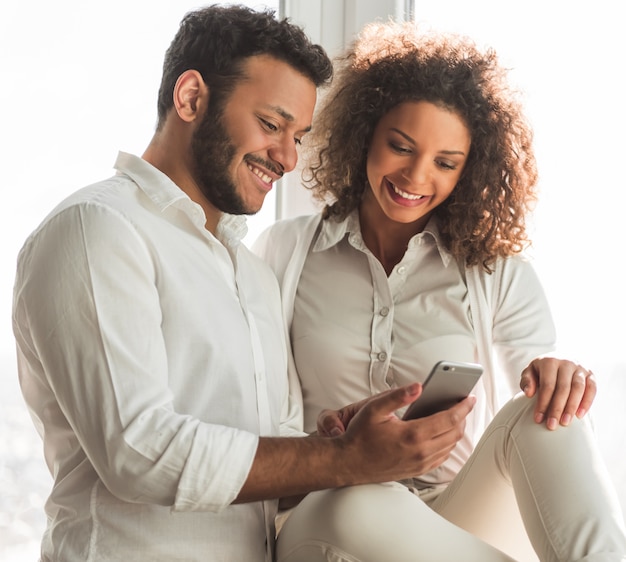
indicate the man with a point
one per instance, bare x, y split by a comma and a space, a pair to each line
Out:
151, 351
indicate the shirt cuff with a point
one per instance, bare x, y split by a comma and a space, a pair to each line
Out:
216, 469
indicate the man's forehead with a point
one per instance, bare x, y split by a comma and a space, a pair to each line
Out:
280, 88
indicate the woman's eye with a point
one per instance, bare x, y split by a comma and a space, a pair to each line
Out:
399, 149
447, 165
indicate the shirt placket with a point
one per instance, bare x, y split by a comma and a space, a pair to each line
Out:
381, 377
386, 290
258, 355
263, 408
262, 396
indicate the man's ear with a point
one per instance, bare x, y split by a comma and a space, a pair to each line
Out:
191, 94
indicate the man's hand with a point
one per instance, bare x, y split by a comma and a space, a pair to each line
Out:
563, 388
332, 423
368, 443
379, 441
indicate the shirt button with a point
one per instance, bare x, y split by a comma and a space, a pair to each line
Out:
382, 356
401, 270
384, 311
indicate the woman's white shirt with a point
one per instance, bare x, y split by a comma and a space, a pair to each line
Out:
356, 331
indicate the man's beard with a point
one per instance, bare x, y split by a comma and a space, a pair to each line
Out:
212, 154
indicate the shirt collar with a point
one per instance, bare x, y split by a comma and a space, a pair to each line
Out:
155, 184
232, 229
332, 232
163, 192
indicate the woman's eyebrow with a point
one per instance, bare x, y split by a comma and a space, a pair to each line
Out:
408, 138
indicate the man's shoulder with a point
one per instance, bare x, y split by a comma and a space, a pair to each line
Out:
107, 192
111, 195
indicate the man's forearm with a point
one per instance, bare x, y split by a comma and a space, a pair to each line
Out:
286, 466
376, 447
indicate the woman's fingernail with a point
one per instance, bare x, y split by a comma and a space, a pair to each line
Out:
552, 423
566, 419
538, 417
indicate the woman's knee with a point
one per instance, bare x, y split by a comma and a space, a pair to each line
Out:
356, 523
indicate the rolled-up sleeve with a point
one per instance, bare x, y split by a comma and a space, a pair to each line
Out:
96, 369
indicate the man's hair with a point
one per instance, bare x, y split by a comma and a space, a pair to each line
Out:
393, 63
216, 41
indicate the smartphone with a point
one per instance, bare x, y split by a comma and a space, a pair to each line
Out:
449, 382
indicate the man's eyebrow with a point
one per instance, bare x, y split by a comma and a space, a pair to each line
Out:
407, 137
286, 115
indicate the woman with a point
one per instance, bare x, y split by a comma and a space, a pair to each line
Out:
426, 168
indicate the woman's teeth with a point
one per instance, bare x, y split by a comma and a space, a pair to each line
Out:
406, 195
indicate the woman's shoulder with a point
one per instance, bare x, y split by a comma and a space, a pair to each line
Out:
506, 276
507, 265
286, 237
295, 226
287, 232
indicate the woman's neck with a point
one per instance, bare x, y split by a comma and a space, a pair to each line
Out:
385, 238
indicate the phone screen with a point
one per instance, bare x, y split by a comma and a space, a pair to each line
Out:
449, 382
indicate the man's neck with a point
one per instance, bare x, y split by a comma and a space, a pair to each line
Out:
173, 163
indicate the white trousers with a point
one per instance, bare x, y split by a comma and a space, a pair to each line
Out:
555, 480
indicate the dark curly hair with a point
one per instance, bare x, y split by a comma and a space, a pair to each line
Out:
216, 40
392, 63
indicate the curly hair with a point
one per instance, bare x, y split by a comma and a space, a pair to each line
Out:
216, 40
391, 63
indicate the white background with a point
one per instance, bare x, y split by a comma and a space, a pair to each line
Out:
78, 82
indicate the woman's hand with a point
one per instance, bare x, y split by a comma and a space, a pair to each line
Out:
563, 388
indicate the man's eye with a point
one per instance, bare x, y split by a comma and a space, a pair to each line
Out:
269, 125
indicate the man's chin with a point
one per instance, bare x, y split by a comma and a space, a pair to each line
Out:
251, 208
247, 212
